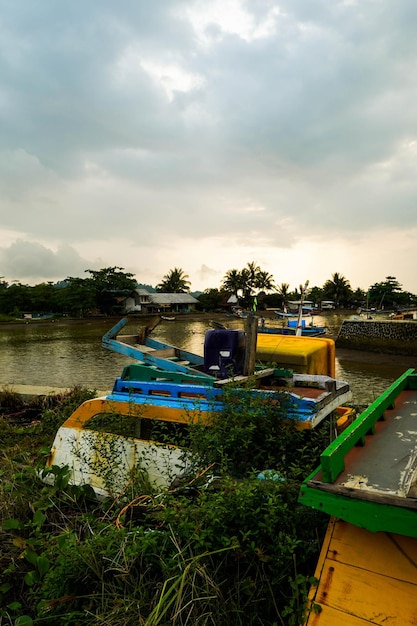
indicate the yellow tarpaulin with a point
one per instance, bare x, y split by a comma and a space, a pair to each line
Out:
307, 355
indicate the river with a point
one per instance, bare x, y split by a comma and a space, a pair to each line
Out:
69, 353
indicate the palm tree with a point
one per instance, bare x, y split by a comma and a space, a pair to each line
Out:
253, 271
233, 282
337, 289
265, 281
247, 280
176, 281
249, 277
283, 291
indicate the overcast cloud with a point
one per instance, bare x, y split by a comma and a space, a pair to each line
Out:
207, 134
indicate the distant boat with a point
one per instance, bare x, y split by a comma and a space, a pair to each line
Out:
306, 331
238, 312
306, 305
403, 315
284, 314
167, 318
293, 323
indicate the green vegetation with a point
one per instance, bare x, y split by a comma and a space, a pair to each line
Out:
101, 292
220, 547
176, 281
104, 290
246, 282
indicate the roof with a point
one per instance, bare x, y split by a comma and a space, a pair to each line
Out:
167, 298
172, 298
142, 292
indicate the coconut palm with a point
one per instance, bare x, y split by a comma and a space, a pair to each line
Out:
247, 281
176, 281
283, 291
337, 288
233, 282
265, 281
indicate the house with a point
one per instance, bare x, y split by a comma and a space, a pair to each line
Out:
142, 301
137, 301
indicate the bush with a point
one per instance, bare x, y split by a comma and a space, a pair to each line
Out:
222, 546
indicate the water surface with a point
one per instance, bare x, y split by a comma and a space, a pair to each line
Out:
65, 354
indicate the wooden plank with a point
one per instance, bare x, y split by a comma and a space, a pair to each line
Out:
368, 595
364, 578
368, 496
329, 616
388, 554
363, 513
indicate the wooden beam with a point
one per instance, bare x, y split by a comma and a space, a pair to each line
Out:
251, 339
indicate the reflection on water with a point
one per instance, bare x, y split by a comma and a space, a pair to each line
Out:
68, 354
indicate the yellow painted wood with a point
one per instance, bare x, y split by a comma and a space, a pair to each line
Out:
385, 553
365, 578
333, 617
93, 407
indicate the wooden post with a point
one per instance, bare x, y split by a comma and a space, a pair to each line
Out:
146, 330
251, 328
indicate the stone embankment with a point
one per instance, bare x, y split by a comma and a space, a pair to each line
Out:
389, 336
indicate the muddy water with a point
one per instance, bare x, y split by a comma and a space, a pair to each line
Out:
64, 354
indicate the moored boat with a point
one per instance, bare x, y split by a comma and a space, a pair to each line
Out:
367, 482
168, 391
291, 328
143, 422
223, 364
309, 331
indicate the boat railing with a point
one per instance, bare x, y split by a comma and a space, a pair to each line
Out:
332, 460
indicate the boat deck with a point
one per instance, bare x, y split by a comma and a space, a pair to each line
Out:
364, 578
387, 462
368, 475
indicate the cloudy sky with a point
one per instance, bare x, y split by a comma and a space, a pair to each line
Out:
208, 134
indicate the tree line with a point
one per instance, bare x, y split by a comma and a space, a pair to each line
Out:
103, 292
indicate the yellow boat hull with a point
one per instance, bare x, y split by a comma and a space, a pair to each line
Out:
364, 578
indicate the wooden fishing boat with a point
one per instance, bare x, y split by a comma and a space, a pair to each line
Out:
367, 482
364, 579
306, 331
224, 351
167, 391
303, 398
368, 475
312, 397
164, 377
106, 438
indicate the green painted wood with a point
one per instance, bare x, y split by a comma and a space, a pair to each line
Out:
373, 516
150, 373
332, 460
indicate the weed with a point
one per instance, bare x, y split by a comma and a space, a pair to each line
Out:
219, 548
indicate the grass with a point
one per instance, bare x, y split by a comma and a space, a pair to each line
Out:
234, 550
